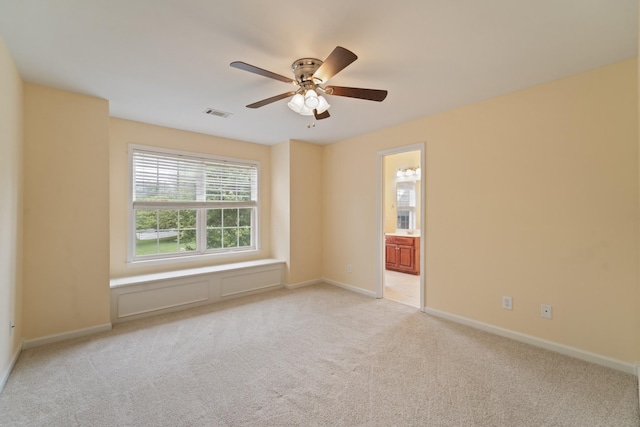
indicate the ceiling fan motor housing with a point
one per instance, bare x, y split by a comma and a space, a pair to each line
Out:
304, 68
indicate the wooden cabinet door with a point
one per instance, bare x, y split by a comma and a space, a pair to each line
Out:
391, 256
406, 258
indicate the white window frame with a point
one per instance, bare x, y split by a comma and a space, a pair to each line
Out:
201, 228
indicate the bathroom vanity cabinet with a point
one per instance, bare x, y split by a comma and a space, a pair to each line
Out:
402, 253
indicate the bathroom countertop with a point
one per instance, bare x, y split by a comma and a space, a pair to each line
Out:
414, 234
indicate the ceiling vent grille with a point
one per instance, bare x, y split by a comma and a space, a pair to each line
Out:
217, 113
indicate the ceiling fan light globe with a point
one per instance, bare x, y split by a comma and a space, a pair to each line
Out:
306, 111
311, 99
323, 105
296, 103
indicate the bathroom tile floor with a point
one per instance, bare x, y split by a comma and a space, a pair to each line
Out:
402, 287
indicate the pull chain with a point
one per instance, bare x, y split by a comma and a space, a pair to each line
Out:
311, 125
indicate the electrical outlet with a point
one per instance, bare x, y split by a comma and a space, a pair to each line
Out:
507, 303
545, 311
349, 269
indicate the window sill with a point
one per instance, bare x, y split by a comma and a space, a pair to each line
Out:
145, 278
236, 256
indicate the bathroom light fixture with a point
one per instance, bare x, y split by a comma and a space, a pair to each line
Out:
408, 172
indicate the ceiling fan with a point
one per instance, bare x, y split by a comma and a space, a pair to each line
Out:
311, 75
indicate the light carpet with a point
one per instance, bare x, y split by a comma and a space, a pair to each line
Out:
315, 356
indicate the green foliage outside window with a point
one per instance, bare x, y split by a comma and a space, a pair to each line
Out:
228, 228
160, 231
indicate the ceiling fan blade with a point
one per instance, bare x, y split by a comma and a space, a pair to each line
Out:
355, 92
270, 100
337, 61
323, 115
256, 70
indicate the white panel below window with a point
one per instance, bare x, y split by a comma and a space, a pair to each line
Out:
133, 303
249, 282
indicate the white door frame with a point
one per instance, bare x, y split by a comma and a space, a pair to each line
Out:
380, 216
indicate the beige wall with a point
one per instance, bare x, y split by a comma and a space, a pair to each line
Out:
306, 212
66, 211
532, 194
297, 209
638, 319
11, 146
125, 132
349, 212
280, 206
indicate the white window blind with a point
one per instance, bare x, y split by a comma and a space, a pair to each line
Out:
406, 195
164, 179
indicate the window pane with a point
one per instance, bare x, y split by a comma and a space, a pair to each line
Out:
406, 194
230, 217
244, 217
214, 218
167, 219
214, 194
187, 240
187, 230
231, 182
403, 219
214, 238
146, 247
187, 218
165, 177
244, 236
230, 237
168, 245
165, 231
146, 232
146, 220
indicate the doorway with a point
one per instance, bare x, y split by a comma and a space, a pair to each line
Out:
401, 225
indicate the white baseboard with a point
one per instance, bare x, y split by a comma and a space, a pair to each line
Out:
66, 336
351, 288
303, 284
7, 372
638, 375
538, 342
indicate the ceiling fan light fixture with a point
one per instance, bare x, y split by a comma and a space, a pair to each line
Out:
311, 100
305, 111
303, 105
296, 103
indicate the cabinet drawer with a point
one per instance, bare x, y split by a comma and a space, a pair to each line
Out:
398, 240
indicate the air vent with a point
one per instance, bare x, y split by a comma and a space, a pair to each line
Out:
217, 113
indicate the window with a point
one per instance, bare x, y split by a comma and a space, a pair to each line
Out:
406, 204
187, 204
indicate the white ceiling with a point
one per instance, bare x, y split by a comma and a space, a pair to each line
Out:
166, 61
